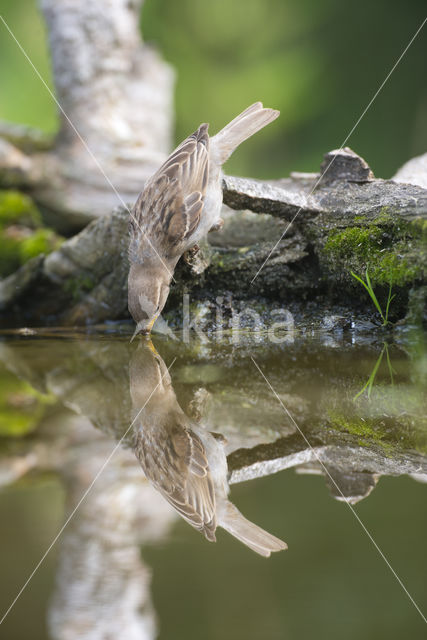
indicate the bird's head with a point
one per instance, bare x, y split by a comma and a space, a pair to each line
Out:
148, 289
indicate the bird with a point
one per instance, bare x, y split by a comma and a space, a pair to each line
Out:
178, 206
181, 459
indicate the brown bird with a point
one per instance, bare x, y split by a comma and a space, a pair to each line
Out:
182, 460
179, 205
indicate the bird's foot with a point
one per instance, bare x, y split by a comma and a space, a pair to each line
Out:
191, 253
219, 437
217, 226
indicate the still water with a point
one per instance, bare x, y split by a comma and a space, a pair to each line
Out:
121, 453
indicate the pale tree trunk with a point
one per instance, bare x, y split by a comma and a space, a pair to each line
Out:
116, 92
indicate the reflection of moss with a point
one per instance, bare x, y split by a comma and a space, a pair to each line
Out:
390, 249
387, 433
77, 287
367, 430
21, 407
21, 235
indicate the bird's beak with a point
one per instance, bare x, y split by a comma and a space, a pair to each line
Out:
134, 334
141, 327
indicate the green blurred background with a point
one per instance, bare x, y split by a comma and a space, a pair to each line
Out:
320, 63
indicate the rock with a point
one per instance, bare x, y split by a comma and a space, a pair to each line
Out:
334, 204
323, 430
413, 172
302, 248
84, 281
16, 168
15, 286
27, 139
344, 164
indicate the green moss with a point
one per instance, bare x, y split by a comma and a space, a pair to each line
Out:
388, 249
21, 235
222, 261
419, 228
354, 241
9, 255
406, 432
18, 208
21, 406
41, 241
393, 267
78, 287
366, 430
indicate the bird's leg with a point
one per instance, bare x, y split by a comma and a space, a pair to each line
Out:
217, 226
190, 253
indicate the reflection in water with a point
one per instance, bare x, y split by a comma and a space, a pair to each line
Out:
103, 586
183, 460
368, 386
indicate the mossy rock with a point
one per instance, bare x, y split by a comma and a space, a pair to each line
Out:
10, 259
78, 287
18, 208
391, 251
41, 241
22, 235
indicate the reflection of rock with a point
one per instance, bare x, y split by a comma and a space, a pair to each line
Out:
316, 381
419, 477
347, 462
343, 485
350, 487
241, 418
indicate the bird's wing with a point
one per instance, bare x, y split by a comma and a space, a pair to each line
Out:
168, 209
179, 470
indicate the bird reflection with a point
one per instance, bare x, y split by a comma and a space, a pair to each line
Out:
182, 460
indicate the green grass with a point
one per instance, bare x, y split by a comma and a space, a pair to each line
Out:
368, 286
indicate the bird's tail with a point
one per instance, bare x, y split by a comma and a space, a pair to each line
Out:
249, 533
242, 127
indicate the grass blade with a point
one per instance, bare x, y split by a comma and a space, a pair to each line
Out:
390, 368
374, 297
368, 286
389, 299
370, 382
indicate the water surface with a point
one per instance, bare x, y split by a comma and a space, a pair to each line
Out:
310, 427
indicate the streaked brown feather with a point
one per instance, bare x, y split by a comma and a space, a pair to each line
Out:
168, 210
174, 460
